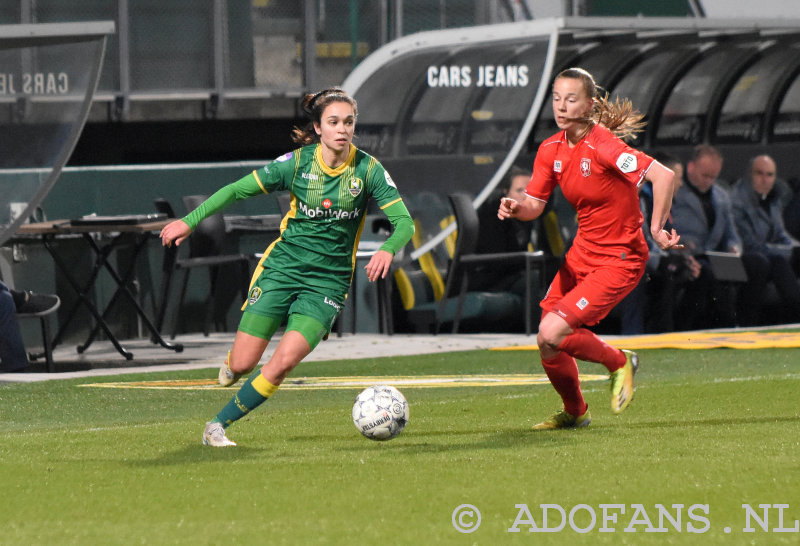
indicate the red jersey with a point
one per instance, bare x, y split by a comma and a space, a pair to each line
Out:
600, 177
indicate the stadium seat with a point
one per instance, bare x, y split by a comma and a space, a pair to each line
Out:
433, 296
465, 259
47, 343
206, 246
43, 317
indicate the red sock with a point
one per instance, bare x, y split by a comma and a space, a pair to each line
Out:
583, 344
563, 374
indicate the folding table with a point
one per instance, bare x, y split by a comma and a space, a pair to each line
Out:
103, 237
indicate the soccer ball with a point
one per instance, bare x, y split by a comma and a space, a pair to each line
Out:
380, 412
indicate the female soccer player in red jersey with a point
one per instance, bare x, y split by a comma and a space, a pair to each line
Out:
599, 175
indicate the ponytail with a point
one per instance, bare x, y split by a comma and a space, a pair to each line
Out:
619, 116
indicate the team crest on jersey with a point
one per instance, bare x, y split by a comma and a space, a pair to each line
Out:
254, 295
586, 167
356, 185
389, 179
557, 166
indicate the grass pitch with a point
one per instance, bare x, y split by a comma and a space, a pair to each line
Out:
708, 432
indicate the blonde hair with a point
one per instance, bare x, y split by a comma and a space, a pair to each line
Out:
619, 116
313, 105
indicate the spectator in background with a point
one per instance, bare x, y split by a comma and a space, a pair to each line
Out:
12, 350
502, 236
702, 212
651, 305
757, 213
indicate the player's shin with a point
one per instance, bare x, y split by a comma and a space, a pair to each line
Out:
252, 394
583, 344
562, 370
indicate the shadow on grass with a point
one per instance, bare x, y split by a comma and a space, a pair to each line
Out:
199, 453
467, 440
513, 437
765, 420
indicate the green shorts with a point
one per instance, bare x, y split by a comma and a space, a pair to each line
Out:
277, 296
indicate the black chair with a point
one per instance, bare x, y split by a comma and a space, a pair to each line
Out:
47, 351
381, 226
464, 259
43, 317
206, 249
164, 206
420, 285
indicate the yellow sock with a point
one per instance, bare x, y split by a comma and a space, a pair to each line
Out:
252, 394
263, 386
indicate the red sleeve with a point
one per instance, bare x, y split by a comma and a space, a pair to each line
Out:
630, 163
543, 179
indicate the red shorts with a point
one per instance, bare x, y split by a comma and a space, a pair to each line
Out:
588, 285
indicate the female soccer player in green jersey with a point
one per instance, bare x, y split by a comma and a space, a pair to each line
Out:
303, 278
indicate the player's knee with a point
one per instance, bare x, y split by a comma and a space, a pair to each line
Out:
550, 336
241, 365
287, 366
547, 342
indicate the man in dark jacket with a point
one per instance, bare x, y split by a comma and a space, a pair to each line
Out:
701, 212
757, 213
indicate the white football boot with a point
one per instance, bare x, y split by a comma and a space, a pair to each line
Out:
226, 376
214, 435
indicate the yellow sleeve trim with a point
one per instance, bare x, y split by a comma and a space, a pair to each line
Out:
258, 180
391, 203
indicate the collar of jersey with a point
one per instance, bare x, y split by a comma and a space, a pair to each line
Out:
338, 170
585, 138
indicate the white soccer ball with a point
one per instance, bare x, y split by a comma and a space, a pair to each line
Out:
380, 412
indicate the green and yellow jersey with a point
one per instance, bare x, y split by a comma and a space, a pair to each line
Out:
320, 234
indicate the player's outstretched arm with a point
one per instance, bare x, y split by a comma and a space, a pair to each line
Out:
175, 232
661, 178
403, 229
527, 209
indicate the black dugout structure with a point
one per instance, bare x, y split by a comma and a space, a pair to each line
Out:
452, 110
48, 77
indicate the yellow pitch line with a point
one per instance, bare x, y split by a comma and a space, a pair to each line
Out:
697, 340
355, 382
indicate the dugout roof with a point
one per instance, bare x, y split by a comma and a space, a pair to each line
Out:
454, 109
48, 76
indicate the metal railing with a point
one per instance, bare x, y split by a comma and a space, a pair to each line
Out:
222, 58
